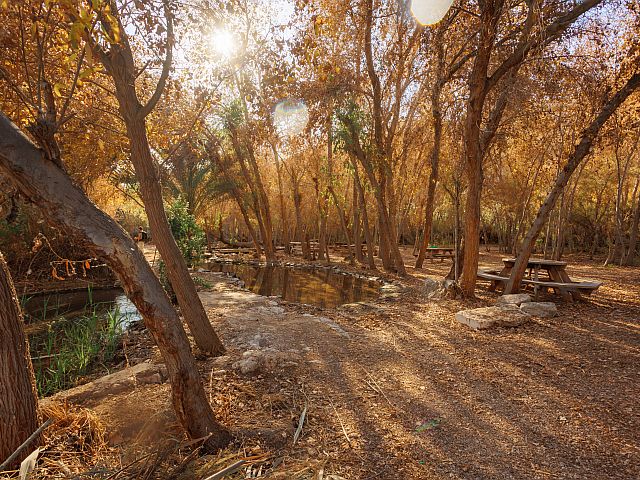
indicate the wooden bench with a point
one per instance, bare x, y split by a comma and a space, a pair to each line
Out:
494, 277
567, 290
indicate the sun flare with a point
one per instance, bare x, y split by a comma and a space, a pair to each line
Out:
224, 43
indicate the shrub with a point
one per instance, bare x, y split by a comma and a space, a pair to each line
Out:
188, 235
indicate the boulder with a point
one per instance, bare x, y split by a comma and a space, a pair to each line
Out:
513, 299
539, 309
487, 317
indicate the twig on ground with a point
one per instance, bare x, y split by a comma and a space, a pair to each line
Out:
300, 423
26, 443
375, 386
227, 470
344, 430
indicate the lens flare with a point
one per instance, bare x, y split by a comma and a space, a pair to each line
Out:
430, 12
224, 43
290, 117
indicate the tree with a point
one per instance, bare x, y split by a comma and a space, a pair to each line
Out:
478, 133
18, 394
581, 151
114, 51
47, 186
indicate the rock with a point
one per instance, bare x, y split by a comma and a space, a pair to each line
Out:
360, 308
247, 365
90, 393
331, 324
487, 317
513, 299
540, 309
259, 340
390, 288
257, 361
390, 297
431, 285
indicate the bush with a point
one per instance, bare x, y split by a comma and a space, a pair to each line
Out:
188, 235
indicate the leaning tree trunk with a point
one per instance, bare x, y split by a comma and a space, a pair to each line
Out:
368, 237
18, 395
50, 188
580, 152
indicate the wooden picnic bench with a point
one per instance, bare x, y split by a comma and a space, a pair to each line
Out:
557, 281
438, 252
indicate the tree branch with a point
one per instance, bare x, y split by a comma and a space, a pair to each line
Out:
146, 109
553, 31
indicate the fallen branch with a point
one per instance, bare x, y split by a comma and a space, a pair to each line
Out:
31, 438
226, 471
300, 423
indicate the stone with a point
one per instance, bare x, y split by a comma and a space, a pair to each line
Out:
121, 381
258, 361
247, 365
540, 309
433, 288
514, 299
487, 317
332, 325
390, 288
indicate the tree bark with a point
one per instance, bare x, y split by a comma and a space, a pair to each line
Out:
18, 395
49, 188
581, 151
283, 211
474, 155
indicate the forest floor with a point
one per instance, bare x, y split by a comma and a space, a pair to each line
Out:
397, 389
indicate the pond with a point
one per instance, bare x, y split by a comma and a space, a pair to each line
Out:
316, 286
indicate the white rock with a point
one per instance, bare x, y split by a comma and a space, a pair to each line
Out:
513, 299
540, 309
487, 317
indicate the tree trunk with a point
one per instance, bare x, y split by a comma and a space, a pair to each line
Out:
18, 395
283, 212
120, 65
433, 177
633, 234
301, 230
580, 152
474, 153
365, 217
49, 188
357, 239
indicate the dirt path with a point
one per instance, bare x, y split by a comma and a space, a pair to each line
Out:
398, 389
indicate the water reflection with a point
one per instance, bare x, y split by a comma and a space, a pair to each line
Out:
324, 288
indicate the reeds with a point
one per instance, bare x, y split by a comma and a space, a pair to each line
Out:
71, 347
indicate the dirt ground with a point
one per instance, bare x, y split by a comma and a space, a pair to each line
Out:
397, 389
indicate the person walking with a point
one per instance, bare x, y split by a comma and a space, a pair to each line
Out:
141, 238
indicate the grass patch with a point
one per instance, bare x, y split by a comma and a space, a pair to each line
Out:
202, 283
71, 348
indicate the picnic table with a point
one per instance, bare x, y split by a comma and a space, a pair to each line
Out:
438, 252
554, 277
